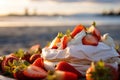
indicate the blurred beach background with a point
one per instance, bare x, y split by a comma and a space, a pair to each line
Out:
24, 23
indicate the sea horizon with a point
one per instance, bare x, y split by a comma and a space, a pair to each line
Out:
57, 20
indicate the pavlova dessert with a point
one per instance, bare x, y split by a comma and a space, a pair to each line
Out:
81, 47
76, 55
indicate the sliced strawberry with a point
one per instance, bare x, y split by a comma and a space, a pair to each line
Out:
64, 66
39, 62
61, 75
36, 49
92, 29
55, 41
35, 72
34, 57
64, 41
76, 30
90, 39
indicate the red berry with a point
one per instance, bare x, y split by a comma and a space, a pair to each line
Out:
20, 76
35, 72
34, 57
76, 30
64, 66
92, 29
64, 42
90, 39
26, 56
6, 60
61, 75
36, 49
39, 62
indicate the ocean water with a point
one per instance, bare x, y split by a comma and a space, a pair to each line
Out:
57, 20
23, 32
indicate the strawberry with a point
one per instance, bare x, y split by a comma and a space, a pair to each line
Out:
92, 29
19, 67
6, 61
90, 39
117, 47
64, 66
1, 59
64, 41
101, 71
34, 57
35, 72
39, 62
61, 75
26, 56
76, 30
55, 41
119, 71
36, 49
21, 54
20, 76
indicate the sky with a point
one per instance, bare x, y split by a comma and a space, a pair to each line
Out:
58, 6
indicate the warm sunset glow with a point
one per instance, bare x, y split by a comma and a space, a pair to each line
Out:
54, 6
9, 6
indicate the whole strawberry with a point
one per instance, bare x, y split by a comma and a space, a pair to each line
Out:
93, 30
36, 49
7, 62
56, 40
1, 59
21, 54
34, 57
101, 71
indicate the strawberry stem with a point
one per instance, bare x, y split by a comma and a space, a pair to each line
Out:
51, 75
60, 35
94, 23
68, 32
100, 72
93, 66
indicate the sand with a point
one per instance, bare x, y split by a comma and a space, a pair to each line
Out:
14, 38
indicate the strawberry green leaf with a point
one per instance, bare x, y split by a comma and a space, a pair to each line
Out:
19, 53
94, 23
60, 35
68, 32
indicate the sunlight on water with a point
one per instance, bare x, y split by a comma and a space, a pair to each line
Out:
57, 20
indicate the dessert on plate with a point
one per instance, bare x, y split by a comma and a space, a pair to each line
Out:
67, 57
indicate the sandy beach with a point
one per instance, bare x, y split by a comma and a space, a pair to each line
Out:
14, 38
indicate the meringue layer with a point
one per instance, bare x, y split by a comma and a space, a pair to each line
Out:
80, 56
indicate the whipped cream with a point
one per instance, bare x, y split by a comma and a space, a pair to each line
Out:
78, 55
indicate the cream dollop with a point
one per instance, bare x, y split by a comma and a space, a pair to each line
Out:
108, 40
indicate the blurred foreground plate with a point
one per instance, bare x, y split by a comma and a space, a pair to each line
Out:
5, 78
